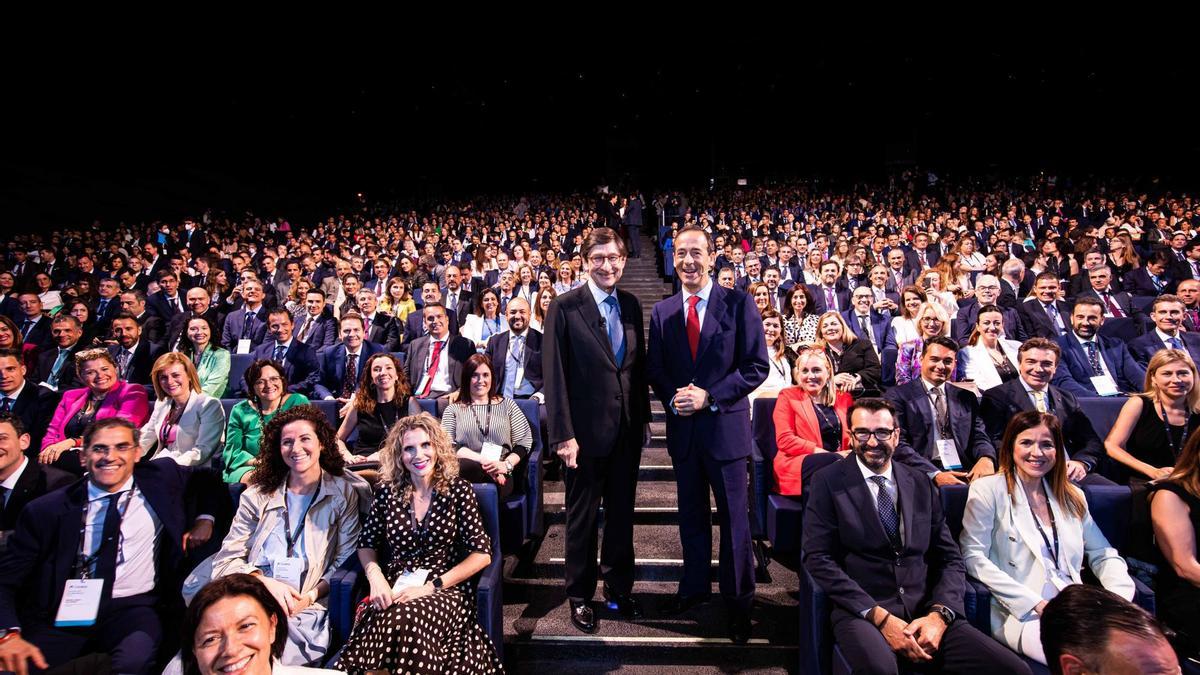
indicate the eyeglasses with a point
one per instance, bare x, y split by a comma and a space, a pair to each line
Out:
863, 435
599, 260
268, 380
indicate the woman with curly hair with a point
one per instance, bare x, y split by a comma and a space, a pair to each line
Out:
420, 616
296, 523
382, 399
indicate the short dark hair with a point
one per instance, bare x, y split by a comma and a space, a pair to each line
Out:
940, 341
12, 353
1158, 258
704, 233
1041, 343
279, 311
231, 586
1081, 619
12, 420
123, 315
1046, 276
137, 293
602, 236
109, 423
1088, 300
166, 273
316, 290
871, 404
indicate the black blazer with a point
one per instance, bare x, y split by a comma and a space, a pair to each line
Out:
68, 376
144, 357
177, 324
589, 396
42, 553
860, 359
497, 352
849, 556
1001, 403
154, 328
300, 364
157, 303
35, 407
1037, 322
964, 322
35, 481
39, 333
915, 419
385, 330
1120, 298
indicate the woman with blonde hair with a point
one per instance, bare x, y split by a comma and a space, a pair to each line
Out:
420, 614
809, 417
186, 424
397, 300
931, 320
943, 285
855, 365
1152, 427
1122, 258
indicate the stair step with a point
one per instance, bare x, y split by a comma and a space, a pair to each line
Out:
658, 551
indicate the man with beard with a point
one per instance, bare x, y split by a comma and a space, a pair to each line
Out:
1094, 365
876, 541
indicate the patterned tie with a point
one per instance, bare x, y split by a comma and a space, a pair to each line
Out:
28, 324
1175, 343
1039, 401
279, 352
433, 368
1113, 308
1093, 357
6, 404
940, 410
616, 331
103, 306
830, 306
887, 511
304, 329
123, 363
349, 383
1052, 312
693, 325
174, 304
1195, 269
247, 325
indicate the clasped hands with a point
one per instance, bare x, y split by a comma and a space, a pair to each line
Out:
291, 600
381, 591
916, 640
689, 400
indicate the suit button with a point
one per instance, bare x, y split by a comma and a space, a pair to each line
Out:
619, 397
899, 562
901, 591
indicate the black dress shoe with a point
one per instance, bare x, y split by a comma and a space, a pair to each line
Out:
583, 617
678, 604
627, 605
739, 628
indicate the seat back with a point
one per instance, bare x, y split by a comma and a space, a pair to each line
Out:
763, 429
330, 408
238, 363
1102, 412
812, 464
954, 504
1124, 329
533, 474
1111, 507
489, 510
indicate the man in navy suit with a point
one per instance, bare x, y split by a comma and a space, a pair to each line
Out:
34, 326
1151, 278
876, 541
416, 325
314, 324
987, 292
337, 380
942, 422
167, 302
299, 360
248, 322
707, 352
1116, 304
517, 369
23, 399
137, 525
829, 297
920, 257
1168, 314
1090, 359
899, 275
382, 329
23, 479
55, 368
108, 304
872, 326
1044, 315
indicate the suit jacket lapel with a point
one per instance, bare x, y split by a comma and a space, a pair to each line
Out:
69, 521
591, 318
860, 494
712, 318
1023, 518
905, 491
627, 324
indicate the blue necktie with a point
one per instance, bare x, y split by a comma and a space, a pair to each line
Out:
887, 512
6, 404
280, 350
1175, 343
247, 325
616, 332
515, 351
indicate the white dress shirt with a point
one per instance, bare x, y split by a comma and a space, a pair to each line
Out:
1099, 353
140, 528
10, 483
702, 306
889, 476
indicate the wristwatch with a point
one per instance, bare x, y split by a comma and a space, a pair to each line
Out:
437, 583
508, 466
946, 613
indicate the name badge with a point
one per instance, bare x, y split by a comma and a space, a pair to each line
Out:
412, 579
1104, 385
289, 570
243, 346
520, 376
80, 602
491, 451
948, 452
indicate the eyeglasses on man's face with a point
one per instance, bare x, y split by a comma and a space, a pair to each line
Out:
864, 435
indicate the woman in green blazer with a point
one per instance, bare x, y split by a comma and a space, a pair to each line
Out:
267, 384
211, 361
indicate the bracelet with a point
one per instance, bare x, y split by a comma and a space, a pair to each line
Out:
886, 615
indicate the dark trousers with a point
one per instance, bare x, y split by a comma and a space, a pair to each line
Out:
613, 480
635, 244
963, 650
472, 472
129, 630
729, 483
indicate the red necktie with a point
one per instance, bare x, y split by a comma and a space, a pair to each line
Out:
693, 325
1112, 306
433, 367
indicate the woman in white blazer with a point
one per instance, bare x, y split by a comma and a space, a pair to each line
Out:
989, 358
1027, 530
187, 425
486, 321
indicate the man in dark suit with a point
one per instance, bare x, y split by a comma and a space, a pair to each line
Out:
1151, 278
195, 239
898, 275
107, 305
167, 302
22, 480
1188, 291
921, 257
52, 268
458, 300
876, 541
1038, 359
1090, 360
827, 296
34, 326
1116, 304
135, 355
137, 526
753, 267
56, 366
314, 323
942, 422
23, 399
987, 292
153, 328
1044, 315
24, 269
707, 352
199, 303
597, 417
516, 355
299, 360
434, 361
248, 322
1168, 315
416, 325
338, 378
870, 325
382, 329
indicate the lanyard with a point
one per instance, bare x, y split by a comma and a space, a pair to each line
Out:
86, 562
485, 427
288, 534
1187, 422
1053, 526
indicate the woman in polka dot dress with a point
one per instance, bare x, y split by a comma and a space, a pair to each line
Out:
420, 616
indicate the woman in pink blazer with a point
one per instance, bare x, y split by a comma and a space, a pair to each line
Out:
104, 396
809, 417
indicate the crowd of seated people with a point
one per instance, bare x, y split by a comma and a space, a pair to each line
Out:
965, 308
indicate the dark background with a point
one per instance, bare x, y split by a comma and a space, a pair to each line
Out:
129, 134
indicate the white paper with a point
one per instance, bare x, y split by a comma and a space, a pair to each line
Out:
80, 602
1104, 385
491, 452
412, 579
243, 346
289, 570
948, 452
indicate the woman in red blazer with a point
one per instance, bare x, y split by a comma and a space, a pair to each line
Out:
809, 417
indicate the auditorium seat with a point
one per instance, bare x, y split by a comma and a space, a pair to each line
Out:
521, 514
349, 586
778, 516
1123, 329
238, 363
